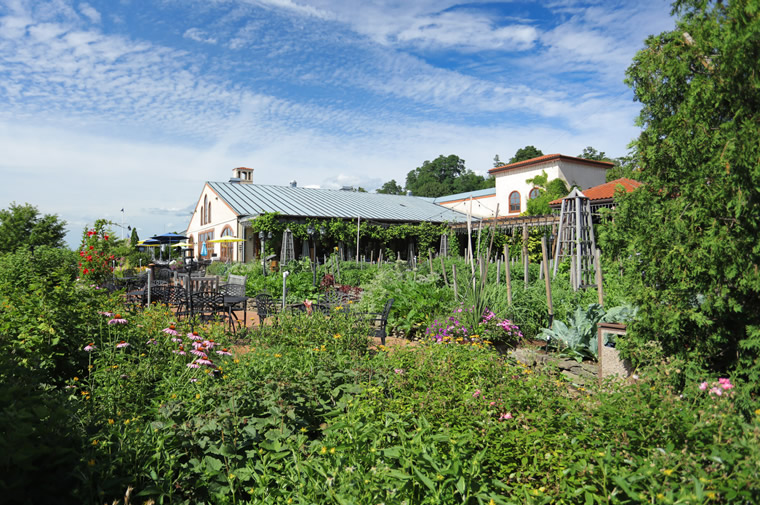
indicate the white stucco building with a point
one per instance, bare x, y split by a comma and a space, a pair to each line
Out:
512, 192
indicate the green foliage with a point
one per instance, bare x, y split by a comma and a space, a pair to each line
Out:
96, 258
625, 166
526, 153
578, 338
688, 237
445, 175
391, 188
589, 153
134, 238
548, 191
22, 227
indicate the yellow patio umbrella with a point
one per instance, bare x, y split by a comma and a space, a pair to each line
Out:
226, 240
183, 244
142, 244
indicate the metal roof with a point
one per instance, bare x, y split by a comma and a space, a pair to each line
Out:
255, 199
465, 195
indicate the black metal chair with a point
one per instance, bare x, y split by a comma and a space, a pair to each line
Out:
209, 306
379, 321
266, 306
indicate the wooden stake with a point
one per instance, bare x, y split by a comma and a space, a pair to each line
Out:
358, 228
509, 275
498, 270
526, 271
430, 260
547, 281
454, 280
598, 268
443, 270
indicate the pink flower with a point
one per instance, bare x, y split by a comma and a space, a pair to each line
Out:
122, 344
476, 393
716, 391
725, 384
194, 336
117, 320
177, 340
224, 352
193, 379
179, 351
492, 404
399, 371
90, 347
193, 365
198, 352
152, 342
204, 361
508, 415
107, 314
170, 330
703, 386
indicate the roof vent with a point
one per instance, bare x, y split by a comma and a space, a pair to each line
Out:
293, 184
243, 175
408, 193
235, 180
347, 188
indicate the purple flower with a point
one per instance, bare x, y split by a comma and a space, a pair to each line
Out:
194, 336
224, 352
193, 379
152, 342
107, 314
179, 351
177, 340
193, 365
90, 347
198, 352
508, 415
170, 330
703, 386
122, 344
204, 361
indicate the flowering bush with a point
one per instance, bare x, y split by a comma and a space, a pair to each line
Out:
490, 329
95, 257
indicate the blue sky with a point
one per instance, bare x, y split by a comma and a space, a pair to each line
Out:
134, 104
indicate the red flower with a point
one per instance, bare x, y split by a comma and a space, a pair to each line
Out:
85, 271
105, 237
89, 258
92, 247
81, 253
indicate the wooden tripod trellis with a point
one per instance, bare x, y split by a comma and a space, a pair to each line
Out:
575, 240
287, 253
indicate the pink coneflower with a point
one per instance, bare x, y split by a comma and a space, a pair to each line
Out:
90, 347
204, 361
171, 330
209, 343
194, 336
198, 352
177, 340
179, 351
224, 352
117, 320
199, 345
152, 342
508, 415
107, 314
193, 365
122, 344
193, 379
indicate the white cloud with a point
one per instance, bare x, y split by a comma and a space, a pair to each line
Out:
199, 35
89, 11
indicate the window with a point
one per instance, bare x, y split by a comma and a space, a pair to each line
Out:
203, 210
208, 213
204, 238
514, 202
225, 250
534, 193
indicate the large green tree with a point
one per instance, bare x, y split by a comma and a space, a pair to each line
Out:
391, 188
690, 233
22, 226
547, 192
526, 153
445, 175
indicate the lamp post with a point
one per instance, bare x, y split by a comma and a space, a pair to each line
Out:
310, 232
263, 239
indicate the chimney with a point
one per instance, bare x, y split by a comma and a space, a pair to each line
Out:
293, 184
243, 175
408, 193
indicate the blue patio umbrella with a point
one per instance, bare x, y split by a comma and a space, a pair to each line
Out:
204, 251
169, 238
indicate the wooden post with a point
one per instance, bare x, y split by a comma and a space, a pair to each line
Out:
547, 281
454, 280
443, 270
430, 260
509, 275
541, 270
498, 270
573, 274
526, 271
150, 281
598, 268
358, 228
469, 237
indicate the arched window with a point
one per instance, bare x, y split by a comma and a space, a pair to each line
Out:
514, 202
203, 211
534, 193
225, 249
208, 213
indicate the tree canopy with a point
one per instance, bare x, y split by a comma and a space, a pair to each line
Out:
391, 188
690, 234
22, 226
589, 153
445, 175
526, 153
547, 192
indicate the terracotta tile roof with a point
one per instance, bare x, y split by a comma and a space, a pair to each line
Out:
606, 191
550, 157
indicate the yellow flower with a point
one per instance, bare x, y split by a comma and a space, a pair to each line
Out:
126, 421
336, 336
290, 500
91, 462
231, 476
439, 477
174, 395
110, 421
660, 496
94, 442
757, 412
323, 450
332, 451
336, 248
76, 379
491, 502
668, 472
236, 361
197, 396
303, 430
142, 354
711, 495
278, 355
